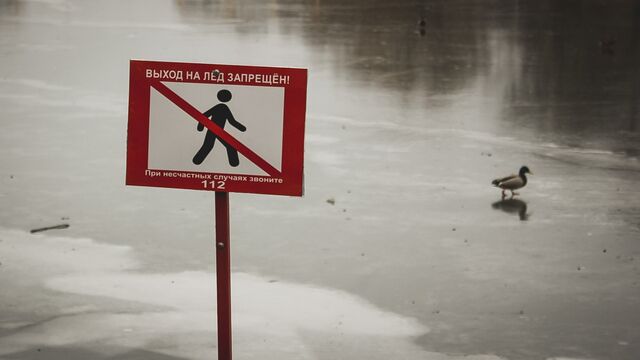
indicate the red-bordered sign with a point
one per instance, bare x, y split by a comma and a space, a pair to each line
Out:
216, 127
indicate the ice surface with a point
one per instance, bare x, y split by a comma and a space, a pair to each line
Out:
174, 313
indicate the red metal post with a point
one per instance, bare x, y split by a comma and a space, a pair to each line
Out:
223, 275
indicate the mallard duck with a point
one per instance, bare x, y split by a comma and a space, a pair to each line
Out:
512, 182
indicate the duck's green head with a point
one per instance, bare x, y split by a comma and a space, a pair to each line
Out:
525, 170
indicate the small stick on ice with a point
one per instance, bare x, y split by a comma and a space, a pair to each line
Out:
56, 227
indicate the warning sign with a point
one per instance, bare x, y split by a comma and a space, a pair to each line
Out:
216, 127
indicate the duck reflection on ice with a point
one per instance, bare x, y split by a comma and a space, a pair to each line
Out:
513, 206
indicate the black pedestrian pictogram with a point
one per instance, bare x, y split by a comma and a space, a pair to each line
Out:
219, 114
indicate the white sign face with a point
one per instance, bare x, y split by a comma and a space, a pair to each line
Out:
174, 139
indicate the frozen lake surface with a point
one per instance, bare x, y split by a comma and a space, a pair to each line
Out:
400, 249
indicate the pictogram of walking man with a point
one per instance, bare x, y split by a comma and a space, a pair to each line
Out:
219, 114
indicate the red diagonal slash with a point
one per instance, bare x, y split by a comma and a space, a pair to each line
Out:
223, 135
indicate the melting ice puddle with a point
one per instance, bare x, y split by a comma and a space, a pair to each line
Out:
174, 313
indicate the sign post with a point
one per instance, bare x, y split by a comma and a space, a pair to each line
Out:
248, 136
223, 275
